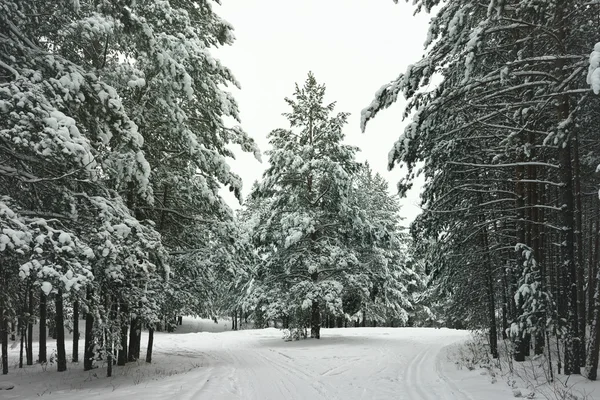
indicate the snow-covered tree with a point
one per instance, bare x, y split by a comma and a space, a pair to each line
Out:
320, 236
499, 139
113, 148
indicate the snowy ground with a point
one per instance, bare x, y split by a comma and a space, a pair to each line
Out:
352, 363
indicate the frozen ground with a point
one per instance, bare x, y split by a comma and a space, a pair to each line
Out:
352, 363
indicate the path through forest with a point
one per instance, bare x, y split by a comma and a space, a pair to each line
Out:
353, 363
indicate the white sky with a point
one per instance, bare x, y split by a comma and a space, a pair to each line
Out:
352, 46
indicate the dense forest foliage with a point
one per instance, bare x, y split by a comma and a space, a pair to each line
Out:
506, 142
117, 127
114, 148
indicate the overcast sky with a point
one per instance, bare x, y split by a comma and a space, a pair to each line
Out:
353, 46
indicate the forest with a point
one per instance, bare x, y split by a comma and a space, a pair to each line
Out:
117, 130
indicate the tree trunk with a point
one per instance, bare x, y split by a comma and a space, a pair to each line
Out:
4, 339
489, 283
520, 342
42, 357
540, 249
315, 320
21, 329
135, 336
504, 305
109, 356
61, 355
579, 256
88, 347
594, 345
315, 317
122, 356
150, 344
593, 261
569, 269
75, 355
569, 277
30, 328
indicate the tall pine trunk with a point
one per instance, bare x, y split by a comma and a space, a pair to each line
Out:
61, 362
315, 320
569, 269
520, 339
122, 355
30, 327
4, 336
88, 347
315, 316
580, 254
134, 339
75, 355
594, 341
21, 328
109, 355
150, 344
42, 356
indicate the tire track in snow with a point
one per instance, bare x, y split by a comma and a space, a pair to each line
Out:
413, 380
255, 368
454, 389
326, 391
339, 369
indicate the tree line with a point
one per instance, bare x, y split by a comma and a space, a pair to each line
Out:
113, 149
506, 142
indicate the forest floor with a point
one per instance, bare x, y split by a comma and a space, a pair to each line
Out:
199, 362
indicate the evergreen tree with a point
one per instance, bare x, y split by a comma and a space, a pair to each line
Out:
499, 141
324, 227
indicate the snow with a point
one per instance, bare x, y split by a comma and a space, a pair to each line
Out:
46, 287
351, 363
64, 237
593, 77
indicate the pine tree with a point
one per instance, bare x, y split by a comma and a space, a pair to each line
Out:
499, 138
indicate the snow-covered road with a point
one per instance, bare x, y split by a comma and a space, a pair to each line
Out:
357, 363
346, 363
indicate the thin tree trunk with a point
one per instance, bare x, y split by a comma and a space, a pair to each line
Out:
520, 338
150, 344
593, 258
88, 347
109, 356
75, 355
21, 329
504, 304
4, 338
315, 318
122, 355
489, 284
42, 357
569, 268
594, 345
580, 254
573, 337
61, 356
30, 327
